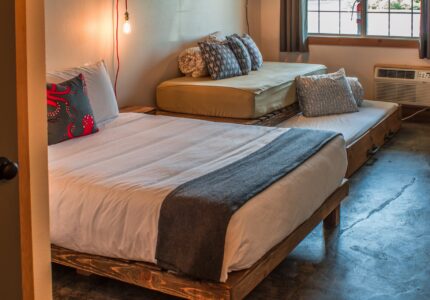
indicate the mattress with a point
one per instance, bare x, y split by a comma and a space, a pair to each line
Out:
245, 97
351, 125
106, 189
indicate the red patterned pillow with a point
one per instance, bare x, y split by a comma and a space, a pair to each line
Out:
69, 111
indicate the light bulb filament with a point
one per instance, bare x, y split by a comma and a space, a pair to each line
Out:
126, 26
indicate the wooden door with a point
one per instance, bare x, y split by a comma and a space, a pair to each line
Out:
24, 229
10, 249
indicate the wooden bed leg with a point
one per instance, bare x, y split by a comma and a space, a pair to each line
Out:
333, 219
83, 273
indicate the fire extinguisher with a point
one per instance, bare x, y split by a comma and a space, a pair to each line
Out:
358, 5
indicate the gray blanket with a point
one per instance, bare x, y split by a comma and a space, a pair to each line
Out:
194, 217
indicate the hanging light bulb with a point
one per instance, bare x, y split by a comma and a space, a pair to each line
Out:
126, 27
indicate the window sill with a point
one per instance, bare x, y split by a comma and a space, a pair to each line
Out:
363, 42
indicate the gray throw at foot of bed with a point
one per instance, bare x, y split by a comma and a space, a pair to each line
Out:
194, 217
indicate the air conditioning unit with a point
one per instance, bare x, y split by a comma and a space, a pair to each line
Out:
404, 85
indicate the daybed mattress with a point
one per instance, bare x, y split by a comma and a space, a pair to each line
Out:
352, 125
106, 189
246, 97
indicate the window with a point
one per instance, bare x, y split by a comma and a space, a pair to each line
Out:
387, 18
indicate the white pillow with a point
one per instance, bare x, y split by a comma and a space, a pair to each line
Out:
100, 90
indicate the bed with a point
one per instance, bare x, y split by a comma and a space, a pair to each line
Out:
365, 132
261, 92
106, 191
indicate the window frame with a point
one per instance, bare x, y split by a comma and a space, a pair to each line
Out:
363, 39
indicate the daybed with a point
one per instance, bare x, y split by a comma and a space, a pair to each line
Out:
245, 97
106, 191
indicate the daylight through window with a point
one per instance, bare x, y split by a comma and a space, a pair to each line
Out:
389, 18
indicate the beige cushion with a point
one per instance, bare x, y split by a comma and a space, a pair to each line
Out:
245, 97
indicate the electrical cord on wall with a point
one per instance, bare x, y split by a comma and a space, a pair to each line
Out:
416, 113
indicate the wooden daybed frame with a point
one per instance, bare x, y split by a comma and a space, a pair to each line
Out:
238, 285
359, 152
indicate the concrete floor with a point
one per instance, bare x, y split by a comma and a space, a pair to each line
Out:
380, 251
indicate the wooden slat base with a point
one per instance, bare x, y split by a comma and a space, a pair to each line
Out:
369, 143
239, 283
271, 119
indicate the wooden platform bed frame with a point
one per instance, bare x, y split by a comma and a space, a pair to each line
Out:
359, 152
239, 283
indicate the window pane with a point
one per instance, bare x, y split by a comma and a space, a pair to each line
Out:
312, 5
396, 18
397, 5
417, 19
348, 23
331, 5
377, 5
416, 5
377, 24
329, 22
401, 25
312, 22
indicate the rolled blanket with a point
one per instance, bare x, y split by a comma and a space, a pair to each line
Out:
216, 37
191, 63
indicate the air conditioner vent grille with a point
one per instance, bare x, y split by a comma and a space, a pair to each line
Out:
392, 73
418, 94
410, 86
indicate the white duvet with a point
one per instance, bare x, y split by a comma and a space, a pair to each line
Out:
106, 189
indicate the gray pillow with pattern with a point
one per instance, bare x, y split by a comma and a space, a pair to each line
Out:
327, 94
357, 89
241, 53
220, 60
254, 52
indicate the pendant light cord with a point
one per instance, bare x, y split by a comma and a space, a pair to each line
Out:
247, 16
117, 49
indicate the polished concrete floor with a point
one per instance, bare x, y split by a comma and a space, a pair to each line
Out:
380, 251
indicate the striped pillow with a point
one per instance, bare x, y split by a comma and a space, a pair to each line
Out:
220, 59
241, 53
254, 52
327, 94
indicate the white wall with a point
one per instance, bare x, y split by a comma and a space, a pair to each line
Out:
161, 29
81, 31
358, 61
78, 32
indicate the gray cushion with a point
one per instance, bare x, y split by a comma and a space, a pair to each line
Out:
241, 53
254, 52
220, 60
357, 90
328, 94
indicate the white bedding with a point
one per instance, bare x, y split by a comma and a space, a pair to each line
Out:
106, 189
352, 125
